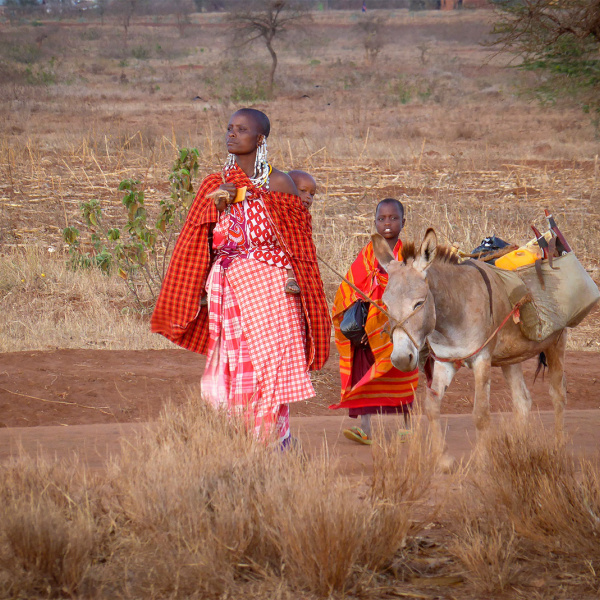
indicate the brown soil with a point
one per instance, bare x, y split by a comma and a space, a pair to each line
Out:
77, 387
67, 400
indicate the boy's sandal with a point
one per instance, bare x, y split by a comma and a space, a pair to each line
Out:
291, 287
356, 434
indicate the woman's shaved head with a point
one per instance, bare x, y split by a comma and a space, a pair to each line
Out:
260, 119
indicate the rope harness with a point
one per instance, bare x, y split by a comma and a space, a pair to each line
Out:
459, 362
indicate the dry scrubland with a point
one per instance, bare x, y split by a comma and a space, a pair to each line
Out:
436, 121
172, 518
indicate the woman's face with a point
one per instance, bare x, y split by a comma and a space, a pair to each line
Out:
243, 136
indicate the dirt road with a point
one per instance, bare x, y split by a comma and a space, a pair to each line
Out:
86, 400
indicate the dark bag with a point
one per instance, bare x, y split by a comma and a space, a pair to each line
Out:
488, 245
354, 321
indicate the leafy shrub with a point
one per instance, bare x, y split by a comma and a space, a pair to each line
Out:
91, 35
242, 92
24, 53
41, 75
140, 53
140, 252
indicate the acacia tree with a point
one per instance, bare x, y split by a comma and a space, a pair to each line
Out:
266, 20
560, 38
370, 28
125, 10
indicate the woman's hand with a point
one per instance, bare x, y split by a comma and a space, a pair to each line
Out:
223, 196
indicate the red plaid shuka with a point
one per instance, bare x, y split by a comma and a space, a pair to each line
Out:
177, 314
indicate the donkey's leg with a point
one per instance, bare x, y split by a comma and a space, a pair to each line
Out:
555, 356
521, 397
443, 374
481, 402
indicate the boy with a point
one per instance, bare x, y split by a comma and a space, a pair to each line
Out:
370, 383
307, 187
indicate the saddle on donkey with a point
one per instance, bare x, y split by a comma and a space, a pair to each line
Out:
558, 290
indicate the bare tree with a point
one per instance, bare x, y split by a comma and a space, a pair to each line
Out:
124, 9
266, 20
183, 9
371, 28
102, 7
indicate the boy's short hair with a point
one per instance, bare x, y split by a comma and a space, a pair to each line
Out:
392, 201
259, 117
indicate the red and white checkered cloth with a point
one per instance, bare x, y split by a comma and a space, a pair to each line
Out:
256, 360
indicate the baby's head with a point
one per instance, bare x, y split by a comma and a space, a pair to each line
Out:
306, 185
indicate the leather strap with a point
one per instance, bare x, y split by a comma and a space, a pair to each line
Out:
486, 280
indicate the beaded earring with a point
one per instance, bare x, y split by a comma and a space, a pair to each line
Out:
261, 165
229, 162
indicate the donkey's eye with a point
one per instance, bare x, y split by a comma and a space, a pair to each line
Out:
418, 304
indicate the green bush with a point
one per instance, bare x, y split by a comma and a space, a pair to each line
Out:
24, 53
255, 92
140, 251
140, 52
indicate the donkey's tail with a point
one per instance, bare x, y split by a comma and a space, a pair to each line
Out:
541, 366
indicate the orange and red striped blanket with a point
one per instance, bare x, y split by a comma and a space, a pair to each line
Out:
383, 384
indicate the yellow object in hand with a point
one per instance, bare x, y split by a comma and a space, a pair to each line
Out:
240, 195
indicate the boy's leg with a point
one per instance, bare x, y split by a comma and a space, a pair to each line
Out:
365, 424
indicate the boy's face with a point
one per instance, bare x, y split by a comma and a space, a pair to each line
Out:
307, 187
389, 221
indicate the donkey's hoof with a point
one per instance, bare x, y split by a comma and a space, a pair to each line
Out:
446, 464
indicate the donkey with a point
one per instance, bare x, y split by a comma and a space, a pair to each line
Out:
462, 311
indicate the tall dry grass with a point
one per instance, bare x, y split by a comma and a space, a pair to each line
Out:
52, 530
529, 512
195, 507
46, 305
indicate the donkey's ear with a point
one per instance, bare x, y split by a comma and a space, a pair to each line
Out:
427, 251
382, 250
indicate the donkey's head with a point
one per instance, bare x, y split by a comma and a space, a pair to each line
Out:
408, 297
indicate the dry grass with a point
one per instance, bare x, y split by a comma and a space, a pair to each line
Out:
529, 510
170, 509
45, 305
195, 508
51, 534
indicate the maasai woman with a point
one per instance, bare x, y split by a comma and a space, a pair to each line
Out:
370, 383
260, 342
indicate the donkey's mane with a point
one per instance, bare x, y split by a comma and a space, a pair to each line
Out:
444, 254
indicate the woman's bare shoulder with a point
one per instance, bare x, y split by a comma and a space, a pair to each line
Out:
282, 182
